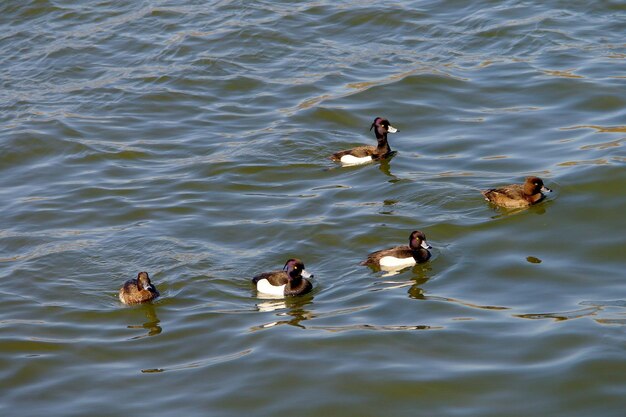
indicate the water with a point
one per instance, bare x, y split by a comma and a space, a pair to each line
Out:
190, 140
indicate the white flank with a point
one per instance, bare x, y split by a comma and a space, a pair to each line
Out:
353, 160
265, 287
396, 263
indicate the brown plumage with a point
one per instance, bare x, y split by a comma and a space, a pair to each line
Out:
401, 256
292, 280
359, 152
138, 290
367, 151
518, 195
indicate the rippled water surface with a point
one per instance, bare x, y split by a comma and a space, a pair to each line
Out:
191, 139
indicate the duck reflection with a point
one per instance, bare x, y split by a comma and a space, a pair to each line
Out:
504, 212
421, 275
415, 291
385, 166
151, 325
292, 308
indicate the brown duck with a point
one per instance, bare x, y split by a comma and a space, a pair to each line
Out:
518, 195
138, 290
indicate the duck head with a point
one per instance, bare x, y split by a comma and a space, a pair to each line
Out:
143, 282
382, 127
295, 269
418, 240
534, 185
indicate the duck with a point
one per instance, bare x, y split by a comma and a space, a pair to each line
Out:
518, 195
367, 153
400, 257
292, 280
140, 290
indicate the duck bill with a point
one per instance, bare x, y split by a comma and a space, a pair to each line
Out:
392, 129
425, 245
546, 189
306, 274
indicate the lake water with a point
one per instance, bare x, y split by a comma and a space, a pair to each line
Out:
191, 139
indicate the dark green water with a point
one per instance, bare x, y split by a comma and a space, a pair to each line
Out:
190, 139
